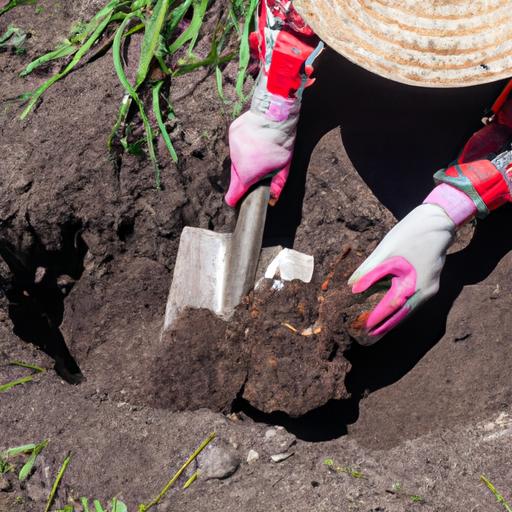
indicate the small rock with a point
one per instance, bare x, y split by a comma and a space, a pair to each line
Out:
218, 461
252, 456
279, 457
278, 440
496, 292
5, 485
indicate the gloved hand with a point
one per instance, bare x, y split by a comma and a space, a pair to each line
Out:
261, 144
412, 254
261, 140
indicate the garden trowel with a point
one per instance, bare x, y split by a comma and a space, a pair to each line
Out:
215, 270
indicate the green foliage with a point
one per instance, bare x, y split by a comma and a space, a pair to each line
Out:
343, 469
14, 38
56, 483
145, 507
22, 380
32, 449
171, 30
499, 498
14, 3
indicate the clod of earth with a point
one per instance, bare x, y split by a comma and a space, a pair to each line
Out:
283, 350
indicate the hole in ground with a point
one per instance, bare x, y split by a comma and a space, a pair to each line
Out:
40, 283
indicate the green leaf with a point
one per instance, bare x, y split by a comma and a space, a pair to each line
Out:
61, 51
76, 59
192, 32
161, 125
18, 450
97, 506
30, 366
55, 485
85, 504
9, 385
15, 3
144, 508
118, 506
244, 56
151, 40
27, 467
132, 93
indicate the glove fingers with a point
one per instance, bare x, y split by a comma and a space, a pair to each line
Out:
278, 182
391, 322
393, 301
236, 189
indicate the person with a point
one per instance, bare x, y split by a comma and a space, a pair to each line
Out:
427, 43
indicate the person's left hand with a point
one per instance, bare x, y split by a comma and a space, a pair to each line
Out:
412, 254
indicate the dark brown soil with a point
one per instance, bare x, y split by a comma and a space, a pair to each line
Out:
87, 254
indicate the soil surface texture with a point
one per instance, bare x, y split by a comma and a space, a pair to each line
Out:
305, 418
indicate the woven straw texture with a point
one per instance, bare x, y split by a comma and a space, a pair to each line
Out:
434, 43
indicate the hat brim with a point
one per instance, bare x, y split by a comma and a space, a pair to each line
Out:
453, 43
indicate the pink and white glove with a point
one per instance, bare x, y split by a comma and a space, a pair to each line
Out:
412, 255
261, 140
261, 144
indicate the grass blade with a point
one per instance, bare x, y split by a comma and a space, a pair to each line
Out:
151, 40
499, 498
192, 31
118, 506
161, 125
17, 382
18, 450
97, 506
85, 504
14, 3
118, 64
62, 51
55, 485
78, 55
144, 508
244, 56
27, 467
30, 366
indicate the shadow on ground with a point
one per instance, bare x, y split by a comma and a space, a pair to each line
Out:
396, 136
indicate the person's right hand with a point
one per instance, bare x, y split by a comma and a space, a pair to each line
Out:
261, 144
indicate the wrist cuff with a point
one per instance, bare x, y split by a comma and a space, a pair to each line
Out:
273, 107
481, 181
457, 205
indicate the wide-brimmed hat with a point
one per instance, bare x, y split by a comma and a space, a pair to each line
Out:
433, 43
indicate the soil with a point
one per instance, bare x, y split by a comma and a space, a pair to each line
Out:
87, 255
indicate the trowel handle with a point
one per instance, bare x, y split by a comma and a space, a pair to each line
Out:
248, 235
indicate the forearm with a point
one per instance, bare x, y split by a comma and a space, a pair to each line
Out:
480, 180
286, 48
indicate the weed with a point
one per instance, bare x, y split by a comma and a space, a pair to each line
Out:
343, 469
145, 507
171, 29
499, 498
14, 3
56, 483
33, 449
14, 38
22, 380
397, 489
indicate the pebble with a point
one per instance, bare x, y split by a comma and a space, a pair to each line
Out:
279, 457
278, 440
252, 456
218, 461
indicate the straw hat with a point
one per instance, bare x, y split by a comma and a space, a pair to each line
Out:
434, 43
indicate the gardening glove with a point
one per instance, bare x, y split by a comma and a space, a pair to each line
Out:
412, 255
261, 140
261, 144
